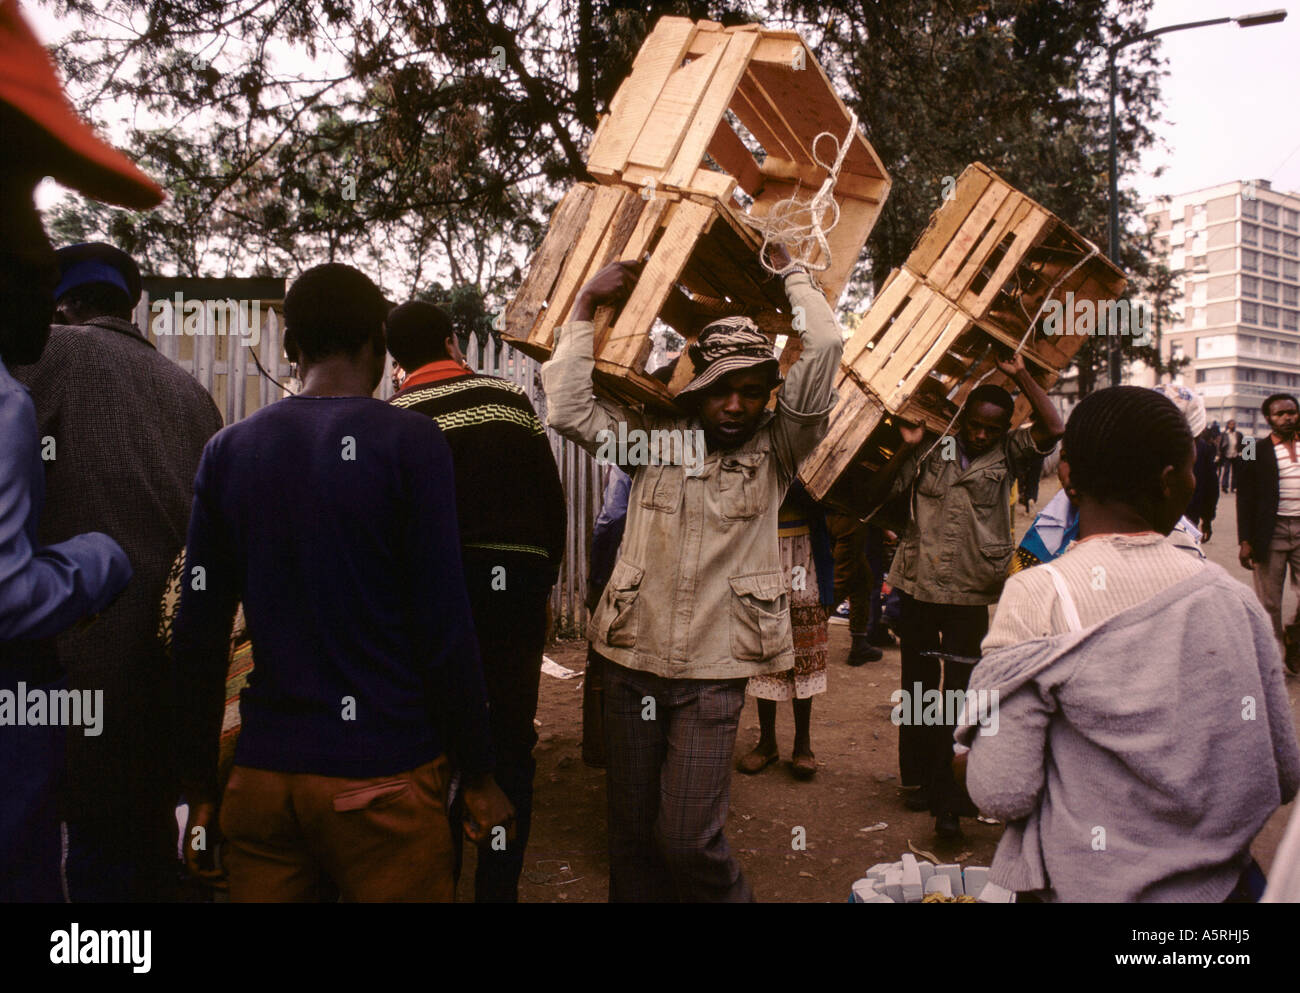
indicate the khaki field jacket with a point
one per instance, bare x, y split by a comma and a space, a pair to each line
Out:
957, 545
698, 591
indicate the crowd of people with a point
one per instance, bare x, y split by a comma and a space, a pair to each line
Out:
385, 569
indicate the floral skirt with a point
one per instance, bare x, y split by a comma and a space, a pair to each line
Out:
808, 619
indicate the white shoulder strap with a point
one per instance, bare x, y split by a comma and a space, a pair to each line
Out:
1067, 602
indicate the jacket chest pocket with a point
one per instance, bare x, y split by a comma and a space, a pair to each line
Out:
985, 486
621, 605
661, 487
929, 479
742, 490
760, 623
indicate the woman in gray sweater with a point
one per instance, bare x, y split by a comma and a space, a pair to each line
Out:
1144, 733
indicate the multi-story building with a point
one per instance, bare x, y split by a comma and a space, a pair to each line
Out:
1236, 249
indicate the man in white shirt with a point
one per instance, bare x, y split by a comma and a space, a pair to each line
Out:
1268, 515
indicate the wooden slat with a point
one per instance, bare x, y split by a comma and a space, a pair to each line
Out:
778, 48
770, 111
544, 268
660, 54
1027, 229
852, 421
749, 111
711, 108
688, 223
896, 289
730, 152
1004, 218
673, 112
945, 221
606, 201
812, 176
971, 230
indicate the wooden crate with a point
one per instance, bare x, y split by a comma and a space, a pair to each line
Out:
996, 254
698, 264
916, 356
671, 126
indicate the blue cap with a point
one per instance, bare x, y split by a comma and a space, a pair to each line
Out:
97, 262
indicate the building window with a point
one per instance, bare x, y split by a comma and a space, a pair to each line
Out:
1290, 322
1215, 346
1269, 318
1291, 244
1268, 239
1268, 265
1249, 313
1291, 219
1249, 234
1269, 212
1289, 295
1249, 207
1269, 289
1249, 260
1247, 344
1287, 349
1291, 270
1249, 286
1223, 375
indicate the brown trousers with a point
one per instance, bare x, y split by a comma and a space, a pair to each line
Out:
1283, 554
385, 839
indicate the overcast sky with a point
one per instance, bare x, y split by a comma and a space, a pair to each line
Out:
1229, 96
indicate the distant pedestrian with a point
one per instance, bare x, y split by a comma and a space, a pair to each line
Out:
1230, 443
1268, 516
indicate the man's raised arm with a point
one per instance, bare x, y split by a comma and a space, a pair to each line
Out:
571, 408
805, 401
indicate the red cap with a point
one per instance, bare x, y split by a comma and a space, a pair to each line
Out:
78, 158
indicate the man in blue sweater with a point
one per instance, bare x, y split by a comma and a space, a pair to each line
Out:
332, 516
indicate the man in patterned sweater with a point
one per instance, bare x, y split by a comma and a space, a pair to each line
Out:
511, 510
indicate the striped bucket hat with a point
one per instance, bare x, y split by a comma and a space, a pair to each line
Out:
728, 345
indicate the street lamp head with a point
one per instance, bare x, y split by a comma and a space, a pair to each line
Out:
1263, 17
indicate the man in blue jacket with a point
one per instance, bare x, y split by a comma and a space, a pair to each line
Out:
43, 590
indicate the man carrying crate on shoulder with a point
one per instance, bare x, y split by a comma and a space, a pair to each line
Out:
951, 564
697, 602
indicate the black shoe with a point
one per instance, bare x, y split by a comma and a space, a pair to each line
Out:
947, 826
917, 800
1291, 654
862, 652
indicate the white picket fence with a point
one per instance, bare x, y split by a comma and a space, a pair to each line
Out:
224, 366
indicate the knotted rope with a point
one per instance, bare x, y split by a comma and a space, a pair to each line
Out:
797, 223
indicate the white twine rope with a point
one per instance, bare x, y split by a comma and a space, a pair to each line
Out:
796, 223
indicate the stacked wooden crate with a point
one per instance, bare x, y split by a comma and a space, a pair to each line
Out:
713, 125
967, 295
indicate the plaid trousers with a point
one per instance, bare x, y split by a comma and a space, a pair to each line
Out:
668, 782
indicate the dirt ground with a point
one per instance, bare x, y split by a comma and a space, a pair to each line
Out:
856, 786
